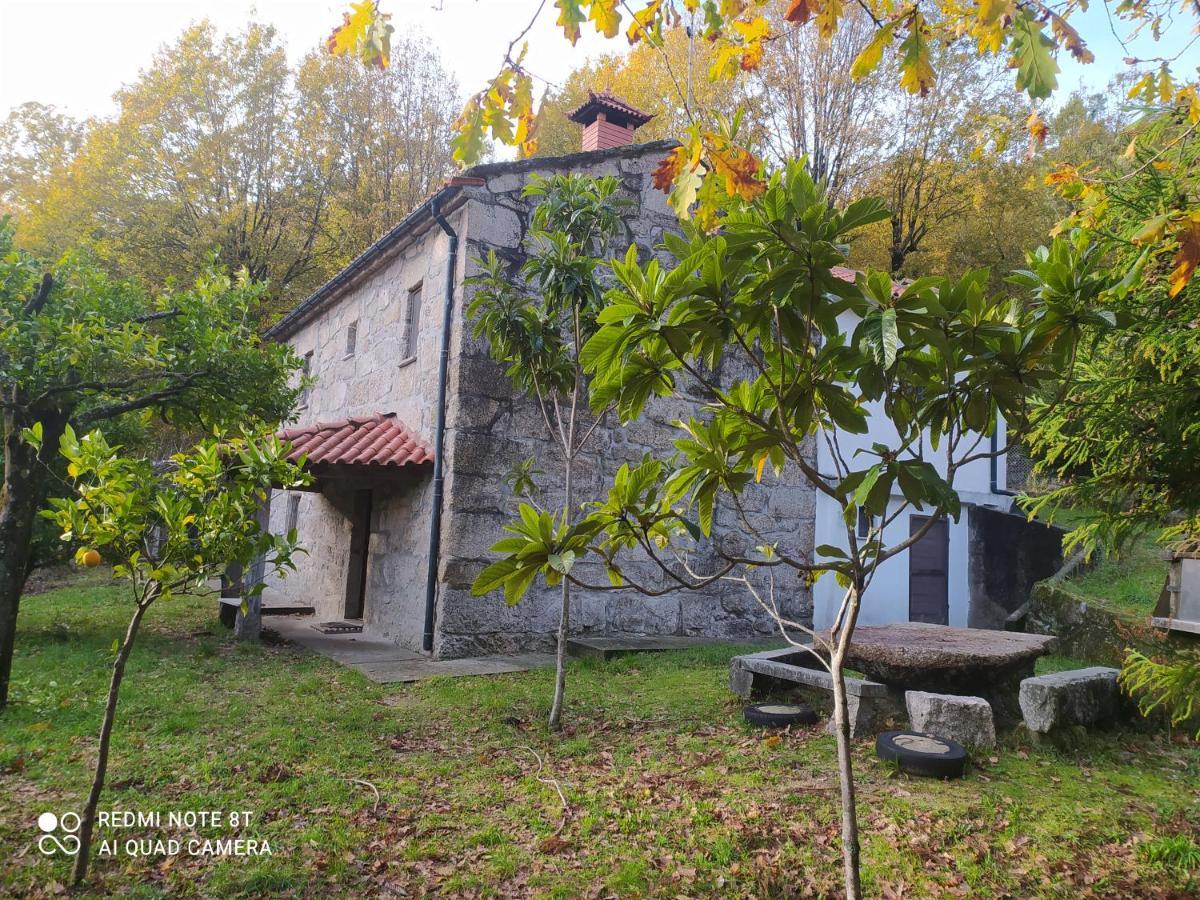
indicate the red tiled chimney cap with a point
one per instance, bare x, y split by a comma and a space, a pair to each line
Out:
615, 109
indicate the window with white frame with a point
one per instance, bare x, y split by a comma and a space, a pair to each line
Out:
412, 325
351, 338
865, 522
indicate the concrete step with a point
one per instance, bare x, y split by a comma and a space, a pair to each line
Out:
282, 609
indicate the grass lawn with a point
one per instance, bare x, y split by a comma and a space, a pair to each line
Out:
667, 792
1131, 581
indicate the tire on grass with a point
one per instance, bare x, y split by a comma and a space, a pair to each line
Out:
926, 755
779, 715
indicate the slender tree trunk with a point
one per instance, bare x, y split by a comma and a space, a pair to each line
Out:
841, 718
20, 500
564, 619
88, 819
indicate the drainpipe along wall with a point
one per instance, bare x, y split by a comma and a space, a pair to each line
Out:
439, 438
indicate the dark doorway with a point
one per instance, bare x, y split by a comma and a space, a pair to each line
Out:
360, 540
929, 572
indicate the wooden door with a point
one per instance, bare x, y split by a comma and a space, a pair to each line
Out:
360, 540
929, 572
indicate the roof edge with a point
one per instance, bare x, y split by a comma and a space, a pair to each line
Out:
312, 304
534, 163
475, 176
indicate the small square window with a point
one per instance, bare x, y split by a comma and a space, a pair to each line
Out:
351, 338
865, 522
412, 325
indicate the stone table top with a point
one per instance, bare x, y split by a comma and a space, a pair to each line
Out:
937, 657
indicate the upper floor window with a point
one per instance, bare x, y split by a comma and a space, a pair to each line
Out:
351, 338
305, 371
412, 325
866, 522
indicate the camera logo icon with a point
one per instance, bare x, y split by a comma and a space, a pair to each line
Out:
50, 841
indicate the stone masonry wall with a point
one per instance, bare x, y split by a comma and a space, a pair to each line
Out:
490, 430
374, 378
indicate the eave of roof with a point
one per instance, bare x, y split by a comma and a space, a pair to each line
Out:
375, 441
447, 197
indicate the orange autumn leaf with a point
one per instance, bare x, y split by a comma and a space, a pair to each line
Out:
1188, 255
668, 170
1037, 128
753, 33
800, 11
739, 168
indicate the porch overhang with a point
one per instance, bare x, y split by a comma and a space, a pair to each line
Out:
369, 449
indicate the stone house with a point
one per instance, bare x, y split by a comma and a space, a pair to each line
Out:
410, 430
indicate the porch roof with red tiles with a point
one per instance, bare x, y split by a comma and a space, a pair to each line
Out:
376, 441
851, 275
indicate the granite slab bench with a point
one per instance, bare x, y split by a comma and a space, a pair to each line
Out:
1076, 697
869, 703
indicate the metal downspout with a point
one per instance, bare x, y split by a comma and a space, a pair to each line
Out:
439, 436
995, 461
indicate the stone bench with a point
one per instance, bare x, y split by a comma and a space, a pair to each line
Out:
1077, 697
869, 703
967, 720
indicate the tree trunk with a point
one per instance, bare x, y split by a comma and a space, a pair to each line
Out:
564, 621
88, 820
841, 718
20, 499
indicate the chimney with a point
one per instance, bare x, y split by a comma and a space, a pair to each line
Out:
607, 121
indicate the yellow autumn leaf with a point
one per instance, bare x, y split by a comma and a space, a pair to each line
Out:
871, 55
570, 17
644, 21
1037, 128
758, 468
1142, 85
916, 69
606, 16
752, 34
828, 18
364, 32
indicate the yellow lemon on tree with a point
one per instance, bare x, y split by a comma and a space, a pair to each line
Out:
91, 558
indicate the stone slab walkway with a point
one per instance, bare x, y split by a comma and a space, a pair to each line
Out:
385, 663
608, 647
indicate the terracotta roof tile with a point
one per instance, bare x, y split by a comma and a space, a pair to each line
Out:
377, 440
850, 275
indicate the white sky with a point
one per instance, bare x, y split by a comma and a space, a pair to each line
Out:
74, 54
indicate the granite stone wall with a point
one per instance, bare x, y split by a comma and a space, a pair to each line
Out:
490, 430
375, 377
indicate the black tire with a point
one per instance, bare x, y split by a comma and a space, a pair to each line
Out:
779, 715
922, 754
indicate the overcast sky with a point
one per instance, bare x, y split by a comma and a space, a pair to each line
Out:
74, 54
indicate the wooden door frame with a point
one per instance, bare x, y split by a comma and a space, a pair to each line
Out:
355, 594
914, 523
